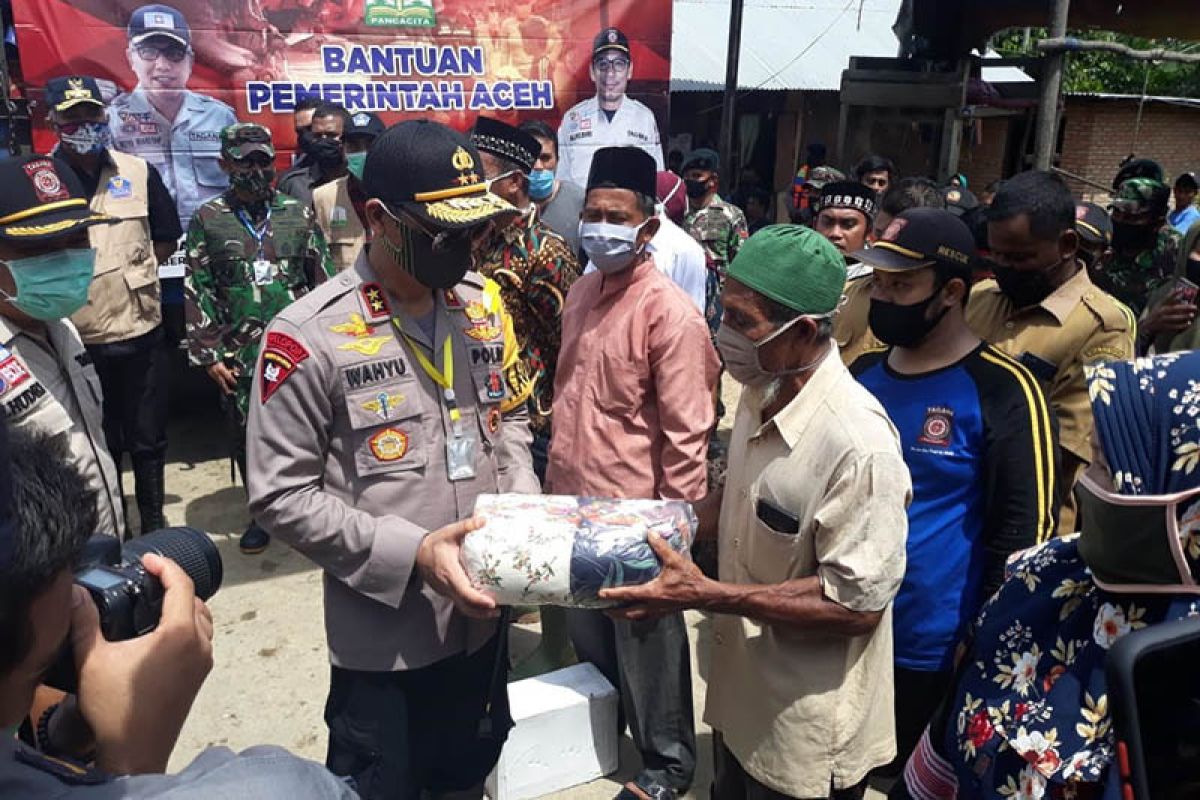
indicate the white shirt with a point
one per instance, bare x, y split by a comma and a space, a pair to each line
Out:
586, 128
679, 257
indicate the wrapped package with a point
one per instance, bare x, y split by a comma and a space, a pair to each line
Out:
557, 550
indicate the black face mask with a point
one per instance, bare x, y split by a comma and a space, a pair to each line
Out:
904, 326
1024, 287
328, 152
441, 267
696, 189
305, 140
1133, 237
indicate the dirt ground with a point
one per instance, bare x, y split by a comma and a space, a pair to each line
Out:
271, 674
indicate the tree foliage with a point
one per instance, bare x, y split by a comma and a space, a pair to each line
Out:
1109, 72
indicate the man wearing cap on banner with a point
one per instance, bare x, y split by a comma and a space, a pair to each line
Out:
251, 252
161, 120
1144, 245
48, 383
811, 526
611, 118
340, 203
633, 410
978, 439
122, 323
845, 214
533, 267
380, 412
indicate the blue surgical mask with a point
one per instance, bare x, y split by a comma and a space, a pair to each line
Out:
541, 183
52, 286
86, 138
609, 247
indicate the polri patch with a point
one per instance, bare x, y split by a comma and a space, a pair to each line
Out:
12, 373
938, 428
119, 187
281, 356
389, 444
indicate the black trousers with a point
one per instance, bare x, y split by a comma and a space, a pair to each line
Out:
732, 782
134, 375
437, 730
650, 664
918, 695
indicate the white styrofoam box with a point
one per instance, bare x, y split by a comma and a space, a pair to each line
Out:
565, 734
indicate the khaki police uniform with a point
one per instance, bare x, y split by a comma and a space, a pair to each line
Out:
347, 455
344, 231
1077, 324
49, 386
851, 325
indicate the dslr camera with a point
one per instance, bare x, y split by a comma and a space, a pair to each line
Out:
127, 597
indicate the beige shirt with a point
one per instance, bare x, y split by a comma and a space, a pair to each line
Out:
49, 386
339, 221
346, 449
798, 708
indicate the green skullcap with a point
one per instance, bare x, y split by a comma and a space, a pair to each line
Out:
792, 265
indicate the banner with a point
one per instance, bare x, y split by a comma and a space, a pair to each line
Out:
176, 73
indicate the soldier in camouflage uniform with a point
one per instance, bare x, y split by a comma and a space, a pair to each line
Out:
1145, 248
251, 252
719, 227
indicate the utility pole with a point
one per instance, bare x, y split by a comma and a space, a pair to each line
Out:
1047, 119
731, 86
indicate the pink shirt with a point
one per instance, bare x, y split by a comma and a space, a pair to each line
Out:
633, 397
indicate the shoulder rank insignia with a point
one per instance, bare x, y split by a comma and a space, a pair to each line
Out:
281, 355
389, 444
357, 327
375, 304
452, 299
383, 403
368, 346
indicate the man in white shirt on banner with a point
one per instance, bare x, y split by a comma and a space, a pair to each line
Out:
610, 119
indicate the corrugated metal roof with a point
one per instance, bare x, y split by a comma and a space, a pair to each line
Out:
786, 44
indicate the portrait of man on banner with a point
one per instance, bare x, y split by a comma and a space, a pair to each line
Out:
609, 119
161, 120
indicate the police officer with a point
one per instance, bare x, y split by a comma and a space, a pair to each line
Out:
251, 252
379, 413
609, 119
122, 323
339, 204
1043, 310
173, 128
47, 382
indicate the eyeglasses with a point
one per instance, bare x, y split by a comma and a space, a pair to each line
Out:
173, 53
611, 64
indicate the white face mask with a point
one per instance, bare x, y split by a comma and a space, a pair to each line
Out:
612, 248
740, 354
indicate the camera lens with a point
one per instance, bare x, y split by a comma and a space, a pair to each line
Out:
190, 548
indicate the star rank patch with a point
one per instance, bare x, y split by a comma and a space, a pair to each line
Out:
389, 444
938, 428
281, 355
375, 304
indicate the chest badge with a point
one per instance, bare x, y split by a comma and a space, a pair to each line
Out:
481, 330
119, 187
383, 404
356, 327
389, 444
938, 429
368, 346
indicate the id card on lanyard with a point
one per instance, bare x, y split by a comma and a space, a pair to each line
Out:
264, 270
460, 446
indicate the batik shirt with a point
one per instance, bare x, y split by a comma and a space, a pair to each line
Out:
534, 268
1131, 279
227, 309
720, 228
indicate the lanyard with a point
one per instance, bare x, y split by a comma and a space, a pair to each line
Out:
258, 232
445, 380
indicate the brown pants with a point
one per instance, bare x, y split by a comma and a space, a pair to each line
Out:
732, 782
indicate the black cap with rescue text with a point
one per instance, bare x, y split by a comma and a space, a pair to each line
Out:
920, 237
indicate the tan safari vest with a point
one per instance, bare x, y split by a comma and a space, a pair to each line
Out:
124, 300
339, 222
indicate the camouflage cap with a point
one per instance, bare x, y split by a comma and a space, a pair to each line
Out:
1138, 196
819, 176
243, 138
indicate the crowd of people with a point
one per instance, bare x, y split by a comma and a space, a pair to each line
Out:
912, 539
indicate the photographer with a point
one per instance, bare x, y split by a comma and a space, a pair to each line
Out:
134, 695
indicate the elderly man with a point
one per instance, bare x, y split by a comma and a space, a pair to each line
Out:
811, 532
633, 409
